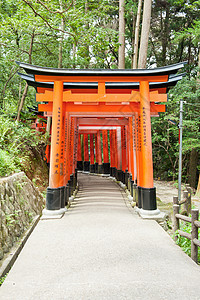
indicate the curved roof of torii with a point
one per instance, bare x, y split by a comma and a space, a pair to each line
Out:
173, 79
37, 70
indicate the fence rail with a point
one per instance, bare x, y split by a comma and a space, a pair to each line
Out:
193, 236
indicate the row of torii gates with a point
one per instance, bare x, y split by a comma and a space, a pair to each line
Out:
110, 109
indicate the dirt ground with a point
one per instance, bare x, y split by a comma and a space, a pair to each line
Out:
165, 191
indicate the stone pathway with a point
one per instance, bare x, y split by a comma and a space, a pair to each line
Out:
101, 249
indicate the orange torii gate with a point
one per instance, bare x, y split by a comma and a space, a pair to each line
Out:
71, 95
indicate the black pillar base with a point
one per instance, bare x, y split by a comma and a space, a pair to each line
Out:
96, 167
62, 196
131, 187
133, 191
126, 175
100, 169
92, 168
138, 197
70, 183
148, 198
66, 194
106, 168
53, 199
86, 166
129, 182
76, 179
114, 172
123, 177
80, 165
119, 175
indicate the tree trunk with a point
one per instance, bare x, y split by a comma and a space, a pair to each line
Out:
26, 86
137, 31
121, 51
133, 40
5, 86
192, 172
87, 53
48, 128
60, 65
145, 34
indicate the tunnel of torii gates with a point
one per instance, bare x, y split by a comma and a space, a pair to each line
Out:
101, 123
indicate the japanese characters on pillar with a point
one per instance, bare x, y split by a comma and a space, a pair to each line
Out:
135, 155
56, 138
66, 149
75, 144
71, 145
62, 154
131, 151
123, 143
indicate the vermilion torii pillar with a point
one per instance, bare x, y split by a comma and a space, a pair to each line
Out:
92, 165
86, 163
79, 155
55, 182
148, 191
106, 164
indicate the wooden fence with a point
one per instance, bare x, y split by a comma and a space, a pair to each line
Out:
193, 236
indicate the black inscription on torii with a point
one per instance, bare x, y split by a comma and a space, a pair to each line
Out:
58, 127
144, 116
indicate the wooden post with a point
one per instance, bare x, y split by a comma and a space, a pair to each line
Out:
185, 206
175, 220
194, 248
175, 200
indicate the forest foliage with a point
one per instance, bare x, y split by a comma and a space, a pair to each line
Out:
84, 34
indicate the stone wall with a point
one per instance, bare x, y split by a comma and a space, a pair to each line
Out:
20, 201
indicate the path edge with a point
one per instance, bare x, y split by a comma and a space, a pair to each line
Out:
12, 255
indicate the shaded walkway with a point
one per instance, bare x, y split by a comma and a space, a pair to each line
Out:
101, 249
